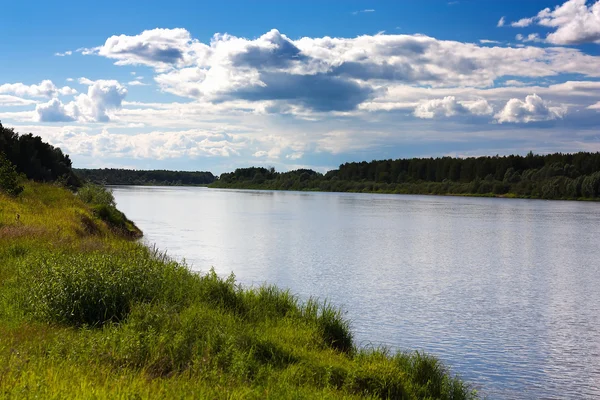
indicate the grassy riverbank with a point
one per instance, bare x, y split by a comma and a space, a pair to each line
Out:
87, 313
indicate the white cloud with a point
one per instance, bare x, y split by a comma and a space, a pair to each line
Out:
523, 22
85, 81
102, 98
340, 74
575, 22
295, 156
532, 37
7, 100
487, 41
514, 82
405, 98
152, 145
328, 74
53, 111
501, 22
368, 10
45, 88
273, 99
449, 106
533, 109
137, 83
66, 53
158, 48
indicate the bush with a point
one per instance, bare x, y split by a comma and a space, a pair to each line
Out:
104, 207
9, 178
96, 195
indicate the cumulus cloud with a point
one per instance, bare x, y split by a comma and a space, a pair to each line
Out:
340, 74
317, 92
45, 88
328, 74
533, 109
102, 97
449, 107
342, 92
575, 22
158, 48
53, 111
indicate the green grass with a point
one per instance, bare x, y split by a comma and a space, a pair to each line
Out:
87, 313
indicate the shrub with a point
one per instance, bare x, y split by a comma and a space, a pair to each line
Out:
9, 178
103, 204
96, 195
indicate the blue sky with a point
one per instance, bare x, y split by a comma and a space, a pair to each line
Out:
196, 86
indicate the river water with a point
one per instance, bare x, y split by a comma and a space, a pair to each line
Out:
506, 292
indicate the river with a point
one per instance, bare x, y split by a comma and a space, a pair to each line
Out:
506, 292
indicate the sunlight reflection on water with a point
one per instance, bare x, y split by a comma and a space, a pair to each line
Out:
504, 291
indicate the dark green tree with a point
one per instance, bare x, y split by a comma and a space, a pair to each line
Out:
9, 177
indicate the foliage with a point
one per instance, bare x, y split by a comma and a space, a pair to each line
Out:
96, 316
113, 176
103, 204
39, 161
96, 195
552, 176
88, 289
9, 178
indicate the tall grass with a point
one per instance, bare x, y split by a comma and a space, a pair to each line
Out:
104, 207
97, 316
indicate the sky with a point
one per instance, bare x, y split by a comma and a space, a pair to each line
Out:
188, 85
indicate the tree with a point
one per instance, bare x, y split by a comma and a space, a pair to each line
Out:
38, 160
9, 178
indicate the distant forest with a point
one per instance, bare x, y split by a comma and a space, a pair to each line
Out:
552, 176
113, 176
35, 159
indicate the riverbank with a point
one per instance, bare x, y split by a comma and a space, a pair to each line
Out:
87, 312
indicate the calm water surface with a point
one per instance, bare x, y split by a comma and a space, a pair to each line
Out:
506, 292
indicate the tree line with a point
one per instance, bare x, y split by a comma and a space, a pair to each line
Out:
117, 176
37, 160
551, 176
